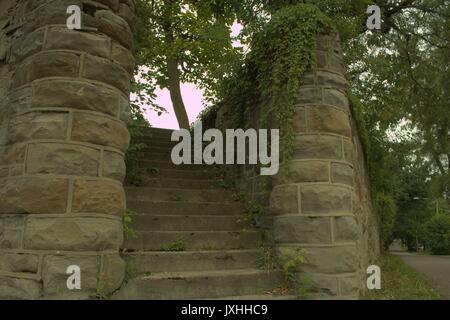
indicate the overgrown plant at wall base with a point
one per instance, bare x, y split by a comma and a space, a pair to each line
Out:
300, 283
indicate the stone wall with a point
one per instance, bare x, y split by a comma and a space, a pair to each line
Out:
323, 206
63, 111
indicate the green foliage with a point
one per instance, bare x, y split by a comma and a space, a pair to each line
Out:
194, 34
272, 73
438, 234
301, 283
136, 127
127, 222
176, 246
268, 259
401, 282
399, 76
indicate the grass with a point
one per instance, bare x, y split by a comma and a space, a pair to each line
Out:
400, 282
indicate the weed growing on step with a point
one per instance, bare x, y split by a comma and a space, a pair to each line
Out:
237, 196
153, 171
268, 259
300, 283
176, 246
252, 215
127, 221
174, 197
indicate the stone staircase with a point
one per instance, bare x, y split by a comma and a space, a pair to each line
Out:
192, 241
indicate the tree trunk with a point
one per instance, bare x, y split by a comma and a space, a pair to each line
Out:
175, 93
173, 73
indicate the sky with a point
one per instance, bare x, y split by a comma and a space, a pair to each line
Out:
192, 97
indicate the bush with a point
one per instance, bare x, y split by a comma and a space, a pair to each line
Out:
438, 234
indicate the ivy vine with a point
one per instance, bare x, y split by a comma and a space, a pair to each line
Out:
269, 80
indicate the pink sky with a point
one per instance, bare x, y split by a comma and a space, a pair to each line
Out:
192, 96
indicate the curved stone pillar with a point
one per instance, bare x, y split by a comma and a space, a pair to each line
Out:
315, 209
63, 111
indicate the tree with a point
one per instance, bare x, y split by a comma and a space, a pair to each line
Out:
183, 41
438, 234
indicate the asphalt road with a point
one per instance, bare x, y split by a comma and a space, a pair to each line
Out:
436, 268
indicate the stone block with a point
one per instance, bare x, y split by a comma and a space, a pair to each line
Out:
27, 45
124, 57
63, 38
54, 276
12, 155
306, 171
322, 286
324, 260
127, 14
299, 120
19, 100
317, 147
336, 98
113, 4
349, 151
309, 95
345, 229
125, 110
73, 234
53, 64
350, 285
19, 262
33, 195
4, 172
305, 230
342, 173
112, 274
100, 130
10, 238
75, 94
323, 200
113, 166
114, 26
98, 196
38, 125
337, 64
322, 59
284, 200
329, 120
19, 289
106, 71
330, 79
53, 158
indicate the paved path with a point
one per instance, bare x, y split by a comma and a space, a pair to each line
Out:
436, 268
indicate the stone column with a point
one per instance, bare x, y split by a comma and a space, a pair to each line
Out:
314, 207
64, 103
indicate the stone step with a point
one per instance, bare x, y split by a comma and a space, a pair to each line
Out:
192, 240
157, 132
145, 222
173, 172
151, 262
150, 142
155, 156
150, 164
183, 195
198, 285
181, 183
180, 208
